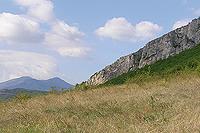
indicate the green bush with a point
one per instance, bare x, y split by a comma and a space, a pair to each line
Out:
22, 97
177, 69
82, 86
193, 64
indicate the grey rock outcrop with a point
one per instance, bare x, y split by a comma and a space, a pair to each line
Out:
169, 44
122, 65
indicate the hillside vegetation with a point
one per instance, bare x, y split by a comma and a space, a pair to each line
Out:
163, 97
159, 106
183, 63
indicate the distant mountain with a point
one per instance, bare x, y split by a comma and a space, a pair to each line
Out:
6, 94
29, 83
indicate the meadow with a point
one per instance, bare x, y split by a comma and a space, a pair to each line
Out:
163, 97
156, 106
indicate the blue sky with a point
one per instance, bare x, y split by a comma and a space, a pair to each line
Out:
73, 39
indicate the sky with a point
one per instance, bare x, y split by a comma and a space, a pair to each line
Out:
73, 39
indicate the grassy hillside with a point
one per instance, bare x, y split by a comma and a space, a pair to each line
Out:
183, 63
159, 106
163, 97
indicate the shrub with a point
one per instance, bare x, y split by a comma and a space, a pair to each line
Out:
177, 69
22, 96
193, 64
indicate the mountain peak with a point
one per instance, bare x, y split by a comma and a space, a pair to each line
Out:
25, 77
30, 83
55, 78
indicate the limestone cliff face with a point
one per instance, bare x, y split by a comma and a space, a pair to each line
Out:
169, 44
122, 65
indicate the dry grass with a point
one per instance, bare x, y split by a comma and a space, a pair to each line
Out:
159, 106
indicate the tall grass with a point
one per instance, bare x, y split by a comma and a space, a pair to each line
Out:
163, 97
159, 106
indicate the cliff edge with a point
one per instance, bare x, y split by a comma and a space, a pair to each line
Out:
169, 44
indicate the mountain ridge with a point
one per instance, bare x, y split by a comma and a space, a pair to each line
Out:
169, 44
30, 83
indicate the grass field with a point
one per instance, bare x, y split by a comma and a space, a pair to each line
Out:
163, 97
171, 105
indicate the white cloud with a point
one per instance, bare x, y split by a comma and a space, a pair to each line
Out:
19, 29
39, 9
180, 23
15, 64
122, 30
66, 40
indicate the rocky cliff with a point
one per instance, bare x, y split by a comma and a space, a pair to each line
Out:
169, 44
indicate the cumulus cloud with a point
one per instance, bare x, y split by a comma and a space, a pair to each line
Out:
180, 23
19, 29
15, 64
122, 30
39, 9
25, 28
66, 40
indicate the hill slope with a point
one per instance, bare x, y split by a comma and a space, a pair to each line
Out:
163, 47
33, 84
157, 106
186, 62
162, 97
